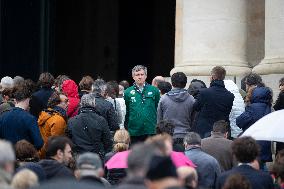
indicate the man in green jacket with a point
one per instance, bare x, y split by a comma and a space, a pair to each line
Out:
141, 102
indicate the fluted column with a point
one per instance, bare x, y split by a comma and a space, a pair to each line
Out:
210, 33
273, 62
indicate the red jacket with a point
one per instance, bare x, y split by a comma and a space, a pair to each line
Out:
70, 88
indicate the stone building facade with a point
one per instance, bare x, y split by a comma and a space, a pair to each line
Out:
241, 35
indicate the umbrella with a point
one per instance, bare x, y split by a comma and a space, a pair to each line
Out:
119, 160
269, 127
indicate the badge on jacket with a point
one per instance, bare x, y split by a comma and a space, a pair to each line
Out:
133, 99
132, 92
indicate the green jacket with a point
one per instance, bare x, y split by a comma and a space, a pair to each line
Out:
141, 110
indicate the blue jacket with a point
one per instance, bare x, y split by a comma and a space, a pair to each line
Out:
258, 179
18, 124
259, 107
214, 104
208, 168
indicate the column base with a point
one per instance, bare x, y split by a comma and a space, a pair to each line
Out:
204, 70
270, 66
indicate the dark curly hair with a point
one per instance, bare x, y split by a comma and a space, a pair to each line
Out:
165, 126
179, 80
22, 91
254, 79
112, 89
245, 149
281, 82
54, 99
236, 181
86, 83
26, 152
45, 80
59, 80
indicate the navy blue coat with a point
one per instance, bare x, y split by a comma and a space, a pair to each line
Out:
258, 179
259, 107
18, 124
213, 104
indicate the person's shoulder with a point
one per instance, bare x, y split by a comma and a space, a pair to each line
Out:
209, 158
129, 89
100, 119
28, 116
263, 174
75, 119
207, 140
281, 94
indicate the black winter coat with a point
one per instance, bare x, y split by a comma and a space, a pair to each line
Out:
279, 104
106, 110
213, 104
89, 132
55, 170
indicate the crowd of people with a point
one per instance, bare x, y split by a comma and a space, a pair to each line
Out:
98, 134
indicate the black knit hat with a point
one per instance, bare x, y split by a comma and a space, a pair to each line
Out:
161, 167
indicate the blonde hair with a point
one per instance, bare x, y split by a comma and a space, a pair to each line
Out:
24, 179
121, 140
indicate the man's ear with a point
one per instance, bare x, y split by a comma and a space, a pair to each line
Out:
59, 154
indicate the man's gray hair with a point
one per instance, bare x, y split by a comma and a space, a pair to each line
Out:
192, 138
88, 100
138, 68
7, 152
99, 86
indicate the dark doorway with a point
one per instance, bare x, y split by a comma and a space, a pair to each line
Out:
20, 38
101, 38
146, 37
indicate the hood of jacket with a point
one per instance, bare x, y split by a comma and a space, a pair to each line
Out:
261, 95
231, 86
70, 88
51, 167
178, 95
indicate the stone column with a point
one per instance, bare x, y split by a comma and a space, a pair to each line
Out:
273, 62
210, 33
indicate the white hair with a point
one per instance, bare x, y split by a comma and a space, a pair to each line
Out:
7, 82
